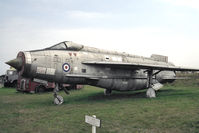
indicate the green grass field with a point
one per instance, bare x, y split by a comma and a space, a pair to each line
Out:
175, 110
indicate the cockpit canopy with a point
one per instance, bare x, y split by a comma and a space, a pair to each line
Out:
67, 45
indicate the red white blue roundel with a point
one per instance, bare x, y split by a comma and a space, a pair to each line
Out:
66, 67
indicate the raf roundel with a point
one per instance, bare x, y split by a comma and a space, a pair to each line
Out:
66, 67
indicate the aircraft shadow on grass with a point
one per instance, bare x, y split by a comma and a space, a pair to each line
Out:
172, 92
114, 96
133, 95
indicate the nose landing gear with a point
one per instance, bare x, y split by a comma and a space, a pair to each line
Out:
58, 100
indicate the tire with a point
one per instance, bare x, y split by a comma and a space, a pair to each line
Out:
107, 92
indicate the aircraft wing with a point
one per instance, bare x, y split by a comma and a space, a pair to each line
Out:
139, 66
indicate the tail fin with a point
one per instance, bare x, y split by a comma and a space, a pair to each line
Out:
159, 58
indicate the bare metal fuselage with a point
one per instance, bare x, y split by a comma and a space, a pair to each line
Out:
67, 66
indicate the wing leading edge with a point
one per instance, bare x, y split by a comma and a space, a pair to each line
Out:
139, 66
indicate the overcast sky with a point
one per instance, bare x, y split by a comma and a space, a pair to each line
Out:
141, 27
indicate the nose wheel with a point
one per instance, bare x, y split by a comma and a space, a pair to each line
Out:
58, 100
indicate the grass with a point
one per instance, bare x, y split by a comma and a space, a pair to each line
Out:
175, 110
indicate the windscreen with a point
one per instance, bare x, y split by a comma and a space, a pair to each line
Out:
67, 45
60, 46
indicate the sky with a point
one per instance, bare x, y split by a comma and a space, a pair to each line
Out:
144, 27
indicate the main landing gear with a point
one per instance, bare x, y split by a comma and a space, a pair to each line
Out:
150, 91
107, 92
58, 100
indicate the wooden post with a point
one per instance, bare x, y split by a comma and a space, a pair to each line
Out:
94, 127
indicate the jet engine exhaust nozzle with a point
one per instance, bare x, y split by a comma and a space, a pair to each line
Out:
16, 63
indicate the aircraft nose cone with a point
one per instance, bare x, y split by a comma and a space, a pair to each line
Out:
16, 63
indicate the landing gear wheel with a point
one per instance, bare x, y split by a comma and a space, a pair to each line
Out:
150, 93
58, 100
107, 92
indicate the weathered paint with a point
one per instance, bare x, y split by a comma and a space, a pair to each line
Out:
64, 63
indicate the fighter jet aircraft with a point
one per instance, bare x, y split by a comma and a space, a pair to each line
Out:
73, 63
